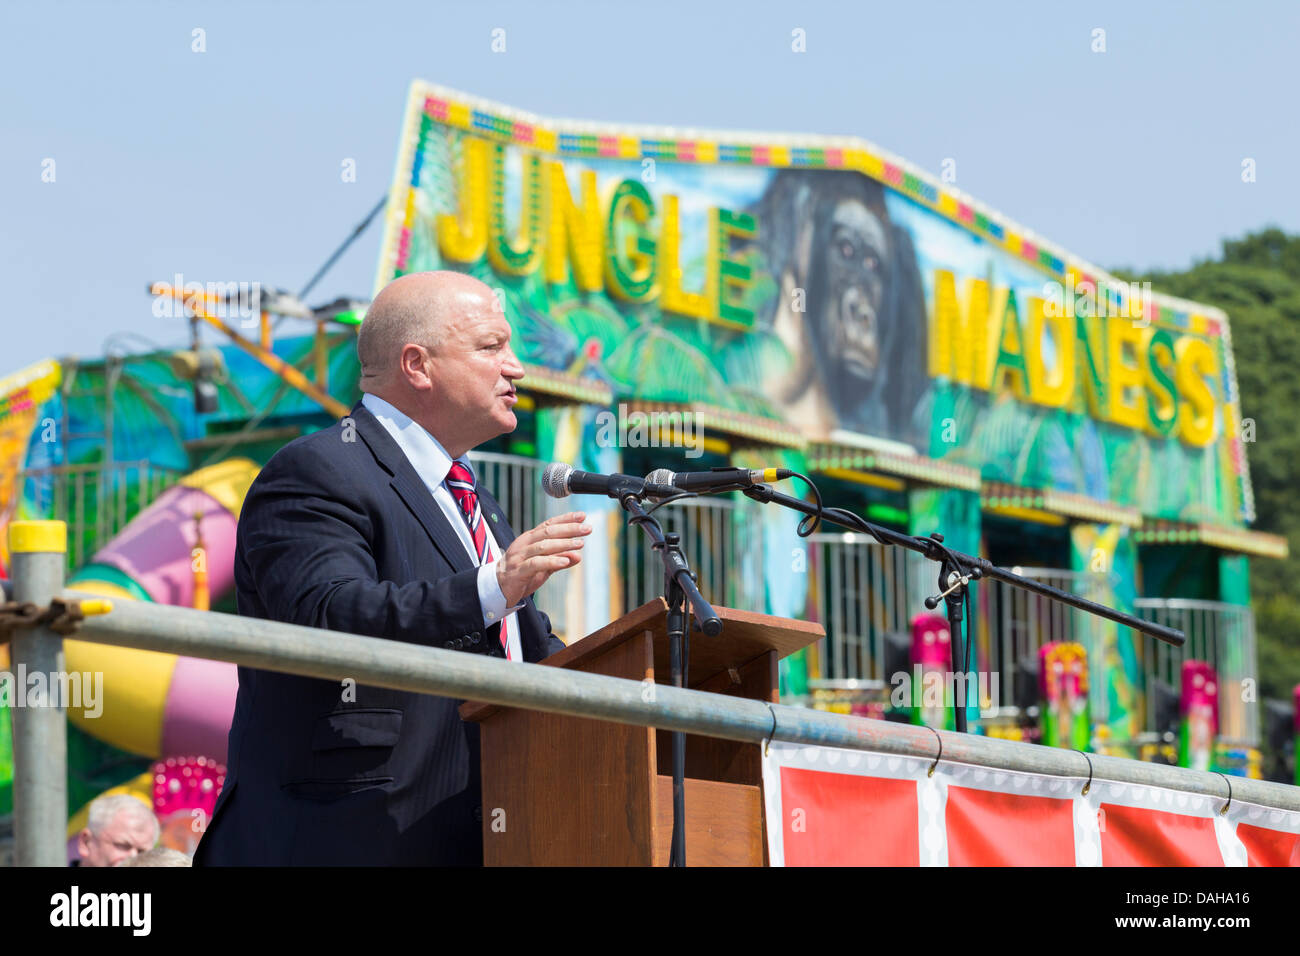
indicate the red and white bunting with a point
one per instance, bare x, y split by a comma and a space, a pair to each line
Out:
831, 807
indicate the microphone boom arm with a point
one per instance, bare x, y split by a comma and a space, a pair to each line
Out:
973, 566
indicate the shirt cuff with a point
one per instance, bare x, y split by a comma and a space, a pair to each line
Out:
490, 597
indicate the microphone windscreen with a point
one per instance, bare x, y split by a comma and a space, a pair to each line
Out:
555, 479
660, 476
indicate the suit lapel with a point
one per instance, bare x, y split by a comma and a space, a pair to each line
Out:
408, 486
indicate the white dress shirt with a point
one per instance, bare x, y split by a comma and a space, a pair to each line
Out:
431, 462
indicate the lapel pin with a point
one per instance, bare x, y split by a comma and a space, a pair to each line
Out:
493, 517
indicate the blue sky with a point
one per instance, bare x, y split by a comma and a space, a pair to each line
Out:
225, 165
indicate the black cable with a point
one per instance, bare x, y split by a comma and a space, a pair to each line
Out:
671, 498
644, 519
686, 648
1224, 811
939, 755
808, 524
1087, 786
343, 248
967, 639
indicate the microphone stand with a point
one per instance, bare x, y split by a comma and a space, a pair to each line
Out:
956, 571
679, 587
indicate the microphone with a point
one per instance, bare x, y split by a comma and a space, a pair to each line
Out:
719, 479
560, 480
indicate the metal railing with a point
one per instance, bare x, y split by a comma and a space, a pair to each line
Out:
866, 594
1222, 635
515, 482
95, 501
39, 732
1016, 623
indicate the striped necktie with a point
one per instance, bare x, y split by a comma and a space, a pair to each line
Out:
461, 485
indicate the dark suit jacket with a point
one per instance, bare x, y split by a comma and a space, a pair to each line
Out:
339, 532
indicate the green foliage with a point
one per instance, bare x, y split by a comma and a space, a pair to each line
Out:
1257, 282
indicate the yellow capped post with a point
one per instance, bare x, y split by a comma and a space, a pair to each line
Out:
37, 554
37, 537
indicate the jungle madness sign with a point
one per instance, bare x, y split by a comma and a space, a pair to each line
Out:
827, 287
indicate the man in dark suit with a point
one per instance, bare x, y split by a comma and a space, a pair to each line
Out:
376, 526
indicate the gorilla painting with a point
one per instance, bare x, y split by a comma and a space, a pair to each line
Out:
850, 306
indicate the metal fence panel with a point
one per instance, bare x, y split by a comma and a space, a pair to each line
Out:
720, 538
864, 594
516, 483
1222, 635
95, 501
1016, 623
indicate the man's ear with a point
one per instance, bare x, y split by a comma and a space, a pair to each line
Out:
413, 369
83, 842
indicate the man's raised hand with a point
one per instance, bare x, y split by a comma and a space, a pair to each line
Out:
538, 553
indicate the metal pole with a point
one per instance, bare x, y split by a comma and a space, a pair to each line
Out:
38, 550
293, 649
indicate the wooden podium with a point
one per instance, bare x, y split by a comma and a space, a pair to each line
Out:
573, 791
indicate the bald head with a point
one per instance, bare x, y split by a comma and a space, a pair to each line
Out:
436, 346
414, 309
